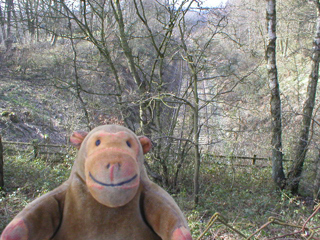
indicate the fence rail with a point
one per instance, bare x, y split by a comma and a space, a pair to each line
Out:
39, 149
240, 161
34, 147
253, 159
31, 144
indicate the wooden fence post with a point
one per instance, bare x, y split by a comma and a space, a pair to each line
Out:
35, 144
254, 159
1, 164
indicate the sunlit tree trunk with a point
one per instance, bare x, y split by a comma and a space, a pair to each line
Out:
77, 86
1, 164
275, 102
142, 86
8, 40
295, 172
316, 183
196, 140
3, 31
195, 113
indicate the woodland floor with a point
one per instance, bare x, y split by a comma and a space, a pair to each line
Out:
245, 198
29, 107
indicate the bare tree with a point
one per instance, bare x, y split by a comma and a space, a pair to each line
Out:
196, 61
301, 148
146, 77
1, 165
294, 175
275, 102
7, 35
316, 182
2, 25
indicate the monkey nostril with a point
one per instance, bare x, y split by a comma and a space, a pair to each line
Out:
115, 164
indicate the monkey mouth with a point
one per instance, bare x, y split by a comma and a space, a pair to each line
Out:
113, 184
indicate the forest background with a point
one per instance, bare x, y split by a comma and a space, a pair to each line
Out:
207, 85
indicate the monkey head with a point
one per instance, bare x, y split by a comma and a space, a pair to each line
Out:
110, 161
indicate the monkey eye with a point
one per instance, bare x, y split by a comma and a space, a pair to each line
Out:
98, 142
129, 144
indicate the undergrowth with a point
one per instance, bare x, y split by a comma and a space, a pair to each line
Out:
25, 179
244, 196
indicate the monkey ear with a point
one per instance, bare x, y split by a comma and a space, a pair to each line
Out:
145, 143
77, 138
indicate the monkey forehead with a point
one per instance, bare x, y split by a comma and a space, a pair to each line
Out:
113, 129
112, 151
121, 134
114, 138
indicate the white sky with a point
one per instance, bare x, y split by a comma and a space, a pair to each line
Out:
213, 3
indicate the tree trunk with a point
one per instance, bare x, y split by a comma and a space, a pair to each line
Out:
1, 165
30, 19
316, 184
196, 153
295, 172
142, 86
77, 86
195, 111
8, 41
2, 25
275, 102
196, 130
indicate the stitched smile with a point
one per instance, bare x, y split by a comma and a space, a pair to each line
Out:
113, 184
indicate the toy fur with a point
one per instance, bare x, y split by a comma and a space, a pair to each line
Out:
108, 196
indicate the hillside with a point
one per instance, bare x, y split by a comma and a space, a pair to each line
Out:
30, 108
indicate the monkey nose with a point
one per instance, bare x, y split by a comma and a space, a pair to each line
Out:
113, 169
113, 165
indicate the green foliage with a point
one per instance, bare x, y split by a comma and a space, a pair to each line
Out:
246, 197
27, 179
5, 113
196, 223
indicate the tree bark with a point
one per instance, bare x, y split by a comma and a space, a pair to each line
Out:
1, 164
316, 184
142, 86
196, 136
8, 40
275, 102
2, 25
295, 172
77, 86
196, 127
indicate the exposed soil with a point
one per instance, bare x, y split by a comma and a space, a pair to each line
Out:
29, 107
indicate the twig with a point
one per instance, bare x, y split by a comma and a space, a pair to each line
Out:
311, 216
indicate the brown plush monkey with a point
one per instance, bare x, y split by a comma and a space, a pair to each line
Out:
107, 197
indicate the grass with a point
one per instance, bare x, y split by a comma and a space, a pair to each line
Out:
25, 179
244, 196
